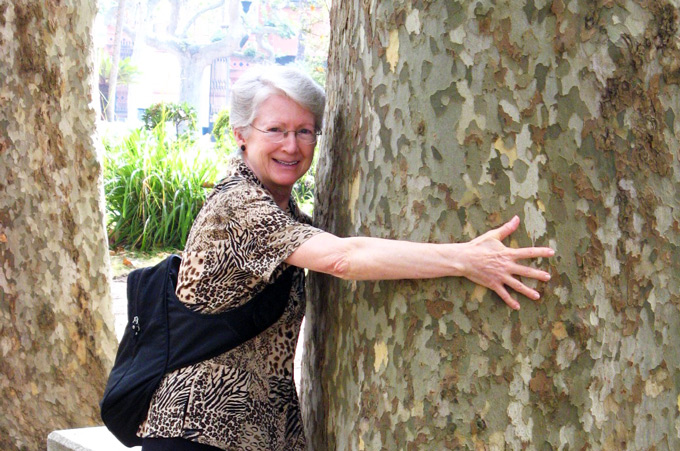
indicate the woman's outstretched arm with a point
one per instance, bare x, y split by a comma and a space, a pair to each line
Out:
484, 260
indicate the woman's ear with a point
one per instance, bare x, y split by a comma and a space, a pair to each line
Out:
238, 135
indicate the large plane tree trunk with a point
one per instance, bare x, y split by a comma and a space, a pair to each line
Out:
56, 325
447, 118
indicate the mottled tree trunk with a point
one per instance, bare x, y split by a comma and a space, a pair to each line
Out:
445, 119
56, 325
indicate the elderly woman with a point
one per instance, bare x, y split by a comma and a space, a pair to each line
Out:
247, 234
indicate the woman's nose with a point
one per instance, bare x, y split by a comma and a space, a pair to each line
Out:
289, 141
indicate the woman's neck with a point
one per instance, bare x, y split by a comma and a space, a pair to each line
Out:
281, 199
281, 194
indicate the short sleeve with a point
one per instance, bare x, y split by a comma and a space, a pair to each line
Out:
236, 244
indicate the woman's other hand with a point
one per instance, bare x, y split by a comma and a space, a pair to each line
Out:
493, 265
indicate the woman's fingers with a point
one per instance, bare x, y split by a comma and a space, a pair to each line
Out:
519, 287
516, 285
532, 252
509, 300
532, 273
506, 229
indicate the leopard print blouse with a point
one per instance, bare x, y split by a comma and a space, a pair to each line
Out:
244, 399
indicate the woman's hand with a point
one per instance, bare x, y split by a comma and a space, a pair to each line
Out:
493, 265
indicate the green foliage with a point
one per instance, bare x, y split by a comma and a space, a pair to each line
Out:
224, 141
127, 72
284, 27
181, 115
249, 51
154, 188
304, 189
303, 192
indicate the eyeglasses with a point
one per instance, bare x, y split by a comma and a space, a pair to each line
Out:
276, 135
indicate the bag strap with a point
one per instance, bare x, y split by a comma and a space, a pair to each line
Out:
194, 337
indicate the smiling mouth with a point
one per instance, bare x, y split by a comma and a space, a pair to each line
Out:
285, 163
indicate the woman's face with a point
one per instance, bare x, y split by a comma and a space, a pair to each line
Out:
278, 165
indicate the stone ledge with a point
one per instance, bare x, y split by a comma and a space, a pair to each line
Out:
85, 439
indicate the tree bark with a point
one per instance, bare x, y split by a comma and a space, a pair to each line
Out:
56, 326
444, 120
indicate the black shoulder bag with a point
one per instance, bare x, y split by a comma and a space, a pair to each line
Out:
163, 335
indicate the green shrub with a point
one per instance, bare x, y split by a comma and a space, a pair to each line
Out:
154, 188
303, 192
181, 115
224, 140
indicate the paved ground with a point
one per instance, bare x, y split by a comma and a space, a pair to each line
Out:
119, 295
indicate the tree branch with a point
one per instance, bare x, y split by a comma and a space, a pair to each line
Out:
262, 44
199, 53
191, 21
205, 54
174, 18
166, 45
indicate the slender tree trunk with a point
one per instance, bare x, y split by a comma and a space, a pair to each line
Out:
305, 27
191, 72
444, 120
56, 325
115, 60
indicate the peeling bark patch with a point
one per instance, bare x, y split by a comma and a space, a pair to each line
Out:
3, 22
31, 56
541, 384
46, 319
559, 331
438, 308
392, 53
441, 99
380, 349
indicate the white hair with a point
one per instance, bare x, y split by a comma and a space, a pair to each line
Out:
258, 83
